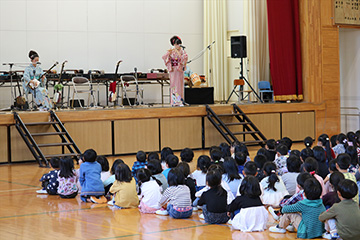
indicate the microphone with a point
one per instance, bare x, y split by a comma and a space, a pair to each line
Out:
183, 47
38, 63
8, 64
117, 64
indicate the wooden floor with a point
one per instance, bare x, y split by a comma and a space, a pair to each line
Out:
27, 215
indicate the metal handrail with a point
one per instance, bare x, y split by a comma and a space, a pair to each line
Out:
346, 115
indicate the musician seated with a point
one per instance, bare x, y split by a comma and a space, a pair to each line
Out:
34, 82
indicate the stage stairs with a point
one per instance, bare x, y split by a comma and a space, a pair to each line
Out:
238, 120
36, 149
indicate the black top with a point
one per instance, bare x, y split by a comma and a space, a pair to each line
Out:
192, 185
323, 170
329, 199
214, 203
271, 154
244, 202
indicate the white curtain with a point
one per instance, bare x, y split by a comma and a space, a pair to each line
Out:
215, 29
256, 30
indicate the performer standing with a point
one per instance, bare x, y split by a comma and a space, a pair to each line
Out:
34, 83
175, 60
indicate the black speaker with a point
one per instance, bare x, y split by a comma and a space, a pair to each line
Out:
203, 95
238, 47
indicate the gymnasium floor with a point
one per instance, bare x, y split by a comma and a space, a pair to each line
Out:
25, 214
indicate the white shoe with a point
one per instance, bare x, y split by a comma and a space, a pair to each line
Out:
195, 209
276, 229
326, 235
162, 212
111, 202
290, 228
273, 214
230, 222
41, 191
201, 216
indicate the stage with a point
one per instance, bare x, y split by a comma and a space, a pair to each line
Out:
115, 131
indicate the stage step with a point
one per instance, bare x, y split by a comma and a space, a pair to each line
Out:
54, 144
229, 114
239, 119
236, 123
40, 123
60, 130
240, 133
48, 134
255, 141
62, 155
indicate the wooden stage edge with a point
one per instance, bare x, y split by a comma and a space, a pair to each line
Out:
144, 112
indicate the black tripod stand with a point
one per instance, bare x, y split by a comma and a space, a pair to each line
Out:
243, 78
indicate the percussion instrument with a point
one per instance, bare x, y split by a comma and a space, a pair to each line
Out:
195, 79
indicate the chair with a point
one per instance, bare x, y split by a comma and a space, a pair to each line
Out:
264, 87
81, 85
241, 91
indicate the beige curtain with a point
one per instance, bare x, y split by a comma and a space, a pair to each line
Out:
256, 30
215, 29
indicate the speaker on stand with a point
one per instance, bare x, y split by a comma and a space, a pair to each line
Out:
239, 50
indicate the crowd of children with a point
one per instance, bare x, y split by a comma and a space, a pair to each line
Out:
313, 191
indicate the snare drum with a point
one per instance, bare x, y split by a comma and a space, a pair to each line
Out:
195, 79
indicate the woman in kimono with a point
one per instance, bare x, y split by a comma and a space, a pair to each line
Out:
34, 83
175, 60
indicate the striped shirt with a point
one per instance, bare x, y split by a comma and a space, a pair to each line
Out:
178, 196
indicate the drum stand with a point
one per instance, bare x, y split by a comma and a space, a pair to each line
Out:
243, 78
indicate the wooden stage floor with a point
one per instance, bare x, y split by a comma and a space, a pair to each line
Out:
27, 215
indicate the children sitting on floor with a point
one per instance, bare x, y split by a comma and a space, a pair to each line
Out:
49, 181
92, 188
156, 171
252, 214
274, 187
214, 200
280, 159
293, 164
124, 188
342, 164
346, 213
67, 179
176, 196
139, 163
199, 175
305, 213
149, 191
171, 162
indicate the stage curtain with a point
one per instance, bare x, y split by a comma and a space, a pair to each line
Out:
285, 51
256, 30
215, 29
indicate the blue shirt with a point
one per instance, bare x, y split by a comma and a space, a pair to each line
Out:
137, 165
166, 172
90, 179
29, 75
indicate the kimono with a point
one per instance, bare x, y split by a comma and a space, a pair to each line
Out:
40, 93
175, 61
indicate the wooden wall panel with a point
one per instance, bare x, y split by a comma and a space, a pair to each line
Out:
131, 136
3, 144
19, 150
95, 135
268, 124
179, 133
298, 125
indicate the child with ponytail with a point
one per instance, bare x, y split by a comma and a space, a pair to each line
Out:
311, 166
324, 141
149, 192
273, 185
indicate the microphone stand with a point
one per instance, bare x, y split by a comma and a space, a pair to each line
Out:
208, 47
